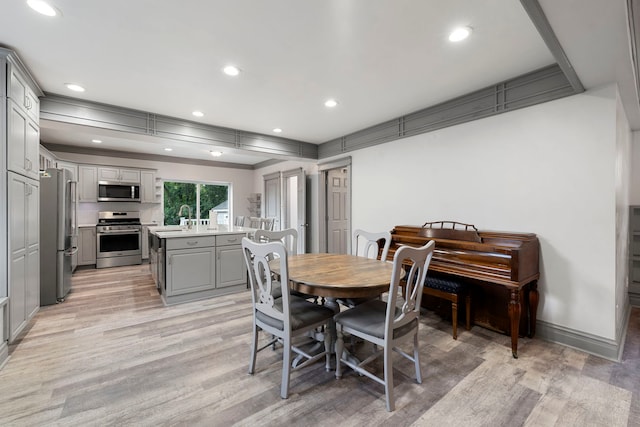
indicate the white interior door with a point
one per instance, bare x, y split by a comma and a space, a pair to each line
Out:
294, 204
338, 233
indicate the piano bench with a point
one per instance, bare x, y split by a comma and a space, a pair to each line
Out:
450, 290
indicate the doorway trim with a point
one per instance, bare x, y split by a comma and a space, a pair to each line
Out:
323, 171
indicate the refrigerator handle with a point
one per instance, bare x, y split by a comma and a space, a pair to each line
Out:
74, 197
73, 251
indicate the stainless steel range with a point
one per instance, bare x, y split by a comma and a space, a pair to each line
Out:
119, 236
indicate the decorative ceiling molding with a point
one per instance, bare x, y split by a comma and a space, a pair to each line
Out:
81, 112
530, 89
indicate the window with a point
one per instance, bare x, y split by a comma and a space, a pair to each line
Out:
200, 197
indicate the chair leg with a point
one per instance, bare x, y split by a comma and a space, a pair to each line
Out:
416, 358
286, 367
454, 314
339, 350
468, 304
254, 347
388, 378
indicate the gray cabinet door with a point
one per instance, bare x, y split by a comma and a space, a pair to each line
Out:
87, 246
32, 277
190, 270
231, 269
23, 140
18, 192
147, 187
87, 184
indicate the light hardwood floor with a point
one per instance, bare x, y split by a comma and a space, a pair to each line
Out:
112, 354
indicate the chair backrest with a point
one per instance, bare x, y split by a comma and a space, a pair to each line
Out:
267, 223
289, 237
239, 221
252, 221
257, 257
366, 244
417, 260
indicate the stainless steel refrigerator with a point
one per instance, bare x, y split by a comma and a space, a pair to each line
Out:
58, 234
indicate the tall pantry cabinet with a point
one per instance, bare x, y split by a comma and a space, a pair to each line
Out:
19, 197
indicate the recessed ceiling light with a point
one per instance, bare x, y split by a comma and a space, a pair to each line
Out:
460, 34
96, 141
277, 130
42, 7
168, 149
216, 153
74, 87
330, 103
198, 113
231, 70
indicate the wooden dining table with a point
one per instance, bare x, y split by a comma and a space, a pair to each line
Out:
337, 275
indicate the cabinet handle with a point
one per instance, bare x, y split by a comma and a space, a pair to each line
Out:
232, 240
170, 258
192, 243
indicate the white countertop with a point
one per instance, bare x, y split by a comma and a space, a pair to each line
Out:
173, 231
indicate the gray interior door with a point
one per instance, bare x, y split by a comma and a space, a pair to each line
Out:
272, 199
338, 209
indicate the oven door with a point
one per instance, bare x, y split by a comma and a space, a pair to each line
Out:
117, 243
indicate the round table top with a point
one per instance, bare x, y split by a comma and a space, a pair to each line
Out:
337, 275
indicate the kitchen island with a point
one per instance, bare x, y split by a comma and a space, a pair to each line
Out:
197, 263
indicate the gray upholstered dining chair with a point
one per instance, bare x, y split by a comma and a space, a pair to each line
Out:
367, 244
390, 323
252, 222
284, 318
288, 237
267, 223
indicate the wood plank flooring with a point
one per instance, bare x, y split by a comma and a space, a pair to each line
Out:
112, 354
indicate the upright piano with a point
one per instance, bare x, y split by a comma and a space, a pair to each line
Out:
501, 269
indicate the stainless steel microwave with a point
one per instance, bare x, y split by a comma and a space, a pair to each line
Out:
109, 191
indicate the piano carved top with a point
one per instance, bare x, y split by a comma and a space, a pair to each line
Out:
509, 259
450, 230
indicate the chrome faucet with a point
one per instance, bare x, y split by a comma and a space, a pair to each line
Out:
189, 211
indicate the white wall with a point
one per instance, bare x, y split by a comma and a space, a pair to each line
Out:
623, 185
240, 179
547, 169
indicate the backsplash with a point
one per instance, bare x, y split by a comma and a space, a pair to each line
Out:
149, 213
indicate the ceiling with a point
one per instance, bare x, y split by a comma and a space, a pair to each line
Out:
379, 59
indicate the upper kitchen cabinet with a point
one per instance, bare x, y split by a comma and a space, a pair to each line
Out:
22, 116
148, 187
24, 92
23, 142
119, 175
87, 183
